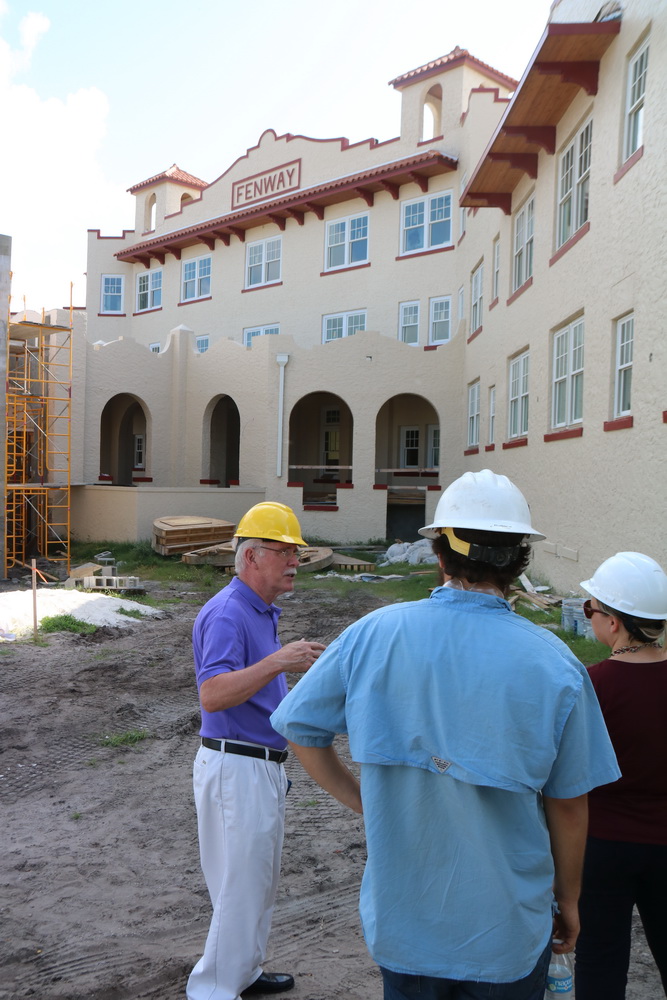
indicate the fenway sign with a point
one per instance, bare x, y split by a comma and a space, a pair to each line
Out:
273, 182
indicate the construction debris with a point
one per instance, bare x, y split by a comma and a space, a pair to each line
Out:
186, 533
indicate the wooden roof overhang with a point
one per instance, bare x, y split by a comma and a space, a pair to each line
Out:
388, 177
566, 60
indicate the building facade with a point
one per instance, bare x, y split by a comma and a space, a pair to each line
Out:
349, 327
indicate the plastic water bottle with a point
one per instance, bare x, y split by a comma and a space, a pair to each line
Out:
560, 978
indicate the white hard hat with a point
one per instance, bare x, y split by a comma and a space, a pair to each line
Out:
483, 501
631, 583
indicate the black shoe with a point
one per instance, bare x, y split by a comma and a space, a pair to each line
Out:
270, 982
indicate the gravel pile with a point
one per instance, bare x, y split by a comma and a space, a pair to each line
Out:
16, 609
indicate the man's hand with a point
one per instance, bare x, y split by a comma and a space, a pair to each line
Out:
297, 657
566, 928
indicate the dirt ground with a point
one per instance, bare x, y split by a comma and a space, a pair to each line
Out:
101, 894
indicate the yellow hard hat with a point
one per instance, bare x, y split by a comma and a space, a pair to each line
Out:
270, 520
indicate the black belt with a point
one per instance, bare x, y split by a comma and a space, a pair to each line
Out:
264, 753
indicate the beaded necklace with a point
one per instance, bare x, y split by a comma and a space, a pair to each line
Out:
633, 649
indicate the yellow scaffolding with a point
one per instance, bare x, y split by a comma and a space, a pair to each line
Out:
38, 443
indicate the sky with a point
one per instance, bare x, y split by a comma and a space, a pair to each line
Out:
97, 97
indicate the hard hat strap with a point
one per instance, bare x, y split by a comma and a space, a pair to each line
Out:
496, 555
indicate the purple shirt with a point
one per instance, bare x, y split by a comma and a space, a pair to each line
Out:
233, 630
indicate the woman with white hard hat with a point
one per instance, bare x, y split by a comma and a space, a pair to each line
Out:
626, 853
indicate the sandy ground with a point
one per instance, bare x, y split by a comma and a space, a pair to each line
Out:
101, 895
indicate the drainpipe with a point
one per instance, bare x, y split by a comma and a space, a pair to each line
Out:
282, 360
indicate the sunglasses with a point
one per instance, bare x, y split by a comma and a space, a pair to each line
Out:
589, 610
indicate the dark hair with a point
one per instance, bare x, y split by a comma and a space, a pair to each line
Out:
641, 629
483, 570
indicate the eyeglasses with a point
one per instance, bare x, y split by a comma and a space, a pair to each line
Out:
589, 610
284, 553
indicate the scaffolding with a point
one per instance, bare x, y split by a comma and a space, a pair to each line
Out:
38, 442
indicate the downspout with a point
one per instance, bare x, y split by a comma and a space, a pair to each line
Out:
282, 360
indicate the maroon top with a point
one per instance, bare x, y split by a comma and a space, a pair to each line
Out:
633, 698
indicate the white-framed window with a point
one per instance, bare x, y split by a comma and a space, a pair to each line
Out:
476, 297
408, 322
634, 102
201, 344
139, 453
433, 446
338, 325
111, 300
518, 396
573, 183
492, 414
625, 335
473, 415
149, 290
154, 348
263, 262
524, 228
196, 274
440, 320
346, 242
427, 223
568, 375
463, 212
409, 458
259, 331
495, 290
462, 302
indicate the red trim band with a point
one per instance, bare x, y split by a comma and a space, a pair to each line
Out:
516, 443
571, 432
619, 424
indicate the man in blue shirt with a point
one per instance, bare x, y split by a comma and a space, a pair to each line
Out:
478, 735
239, 780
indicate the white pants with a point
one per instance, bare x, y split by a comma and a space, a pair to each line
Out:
241, 816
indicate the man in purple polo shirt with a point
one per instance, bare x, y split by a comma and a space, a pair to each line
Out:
239, 780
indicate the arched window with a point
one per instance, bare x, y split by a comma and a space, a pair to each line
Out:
432, 113
151, 212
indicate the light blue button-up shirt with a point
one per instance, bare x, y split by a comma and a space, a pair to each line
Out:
461, 713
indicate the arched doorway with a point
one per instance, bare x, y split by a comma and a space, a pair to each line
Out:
221, 445
123, 440
320, 446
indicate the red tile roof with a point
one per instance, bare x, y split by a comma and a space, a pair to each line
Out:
173, 174
457, 57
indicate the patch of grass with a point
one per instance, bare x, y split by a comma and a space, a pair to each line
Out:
139, 559
132, 613
75, 815
308, 803
66, 623
129, 738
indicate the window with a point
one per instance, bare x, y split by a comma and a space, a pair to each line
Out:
201, 344
342, 325
433, 460
462, 299
149, 290
477, 297
492, 414
440, 327
408, 324
518, 396
258, 331
196, 278
154, 348
473, 415
139, 459
495, 291
568, 375
634, 109
625, 335
346, 242
112, 293
427, 223
523, 244
573, 184
263, 260
409, 448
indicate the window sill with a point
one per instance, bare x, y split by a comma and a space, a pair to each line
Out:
380, 486
142, 479
188, 302
209, 482
618, 424
424, 253
489, 447
461, 238
341, 270
472, 451
492, 305
322, 506
629, 164
474, 334
295, 483
516, 443
515, 295
580, 233
267, 284
142, 312
664, 416
116, 315
432, 487
569, 432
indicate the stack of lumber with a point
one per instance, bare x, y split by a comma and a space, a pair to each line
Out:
341, 561
310, 559
183, 533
